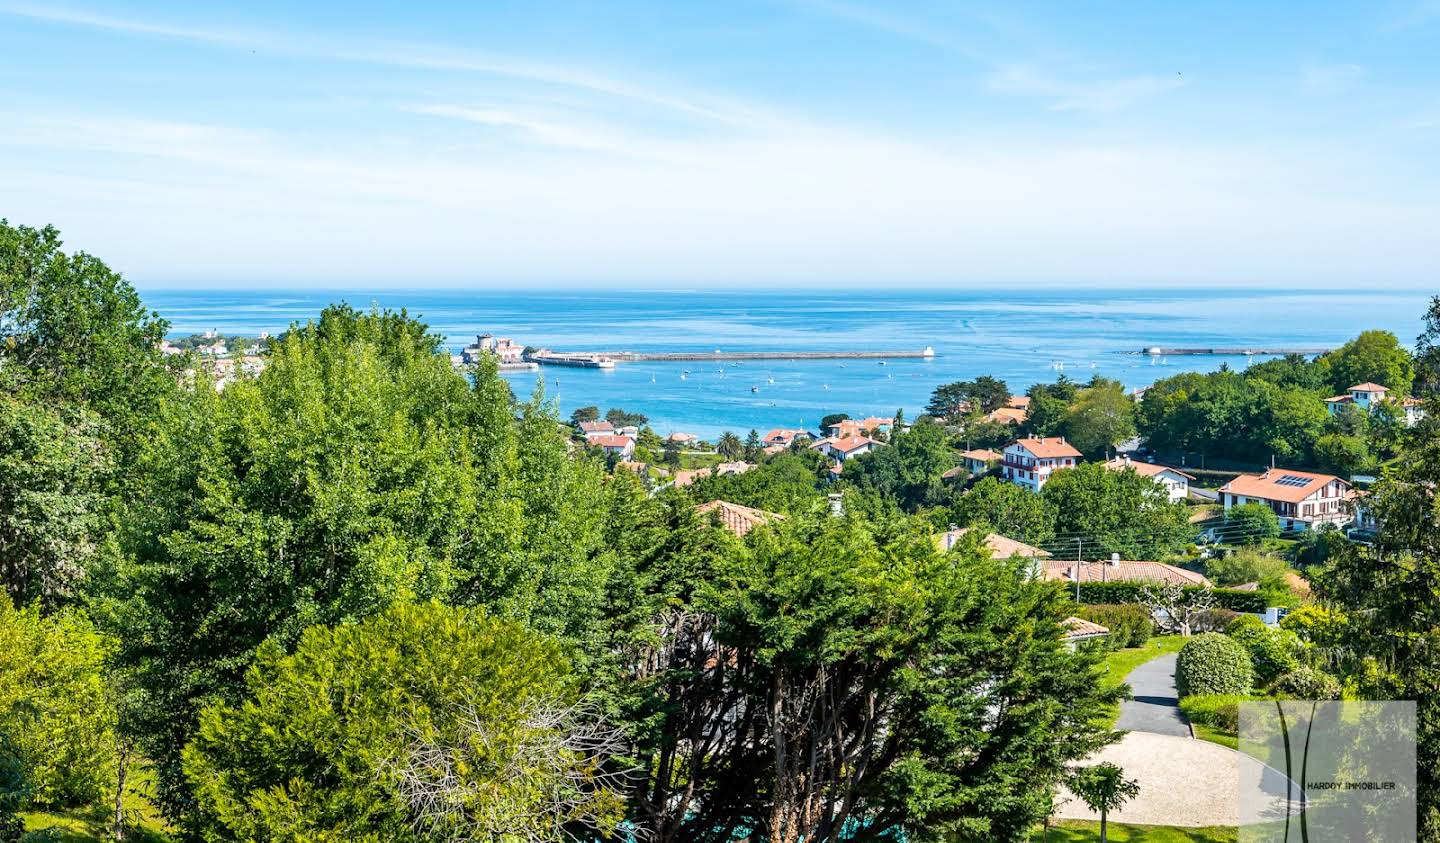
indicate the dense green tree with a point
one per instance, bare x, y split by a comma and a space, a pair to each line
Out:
833, 418
1372, 357
357, 471
1099, 512
1225, 414
1427, 353
753, 447
57, 718
73, 331
1344, 455
982, 395
585, 414
422, 723
1250, 523
855, 705
52, 472
1101, 417
621, 418
1391, 619
787, 483
1292, 370
1246, 566
907, 471
1006, 509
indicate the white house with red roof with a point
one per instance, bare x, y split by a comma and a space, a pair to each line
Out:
1175, 482
846, 447
590, 429
1029, 463
1369, 396
612, 443
980, 461
1303, 500
784, 437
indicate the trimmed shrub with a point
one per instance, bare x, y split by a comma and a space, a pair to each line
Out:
1249, 523
1218, 711
1214, 664
1314, 624
1272, 651
1130, 624
1214, 620
1307, 683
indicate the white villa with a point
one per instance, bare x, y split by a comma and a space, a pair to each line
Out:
1030, 462
846, 447
1368, 396
1175, 482
1303, 500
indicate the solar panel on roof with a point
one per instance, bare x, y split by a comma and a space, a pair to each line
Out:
1292, 480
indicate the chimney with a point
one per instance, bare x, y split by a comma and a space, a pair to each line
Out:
1115, 560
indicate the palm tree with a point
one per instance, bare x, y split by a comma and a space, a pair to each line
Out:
730, 446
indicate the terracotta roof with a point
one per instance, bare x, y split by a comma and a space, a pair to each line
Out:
1000, 546
773, 449
596, 426
611, 441
872, 422
736, 518
954, 472
1339, 399
784, 436
1081, 628
1275, 485
1019, 402
1123, 571
681, 437
733, 467
1245, 586
851, 443
1369, 387
1048, 447
1145, 469
688, 476
1009, 415
981, 454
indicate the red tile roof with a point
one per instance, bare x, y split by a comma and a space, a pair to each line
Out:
611, 441
1268, 486
596, 426
736, 518
1000, 546
1048, 447
1369, 387
1080, 628
851, 443
1123, 571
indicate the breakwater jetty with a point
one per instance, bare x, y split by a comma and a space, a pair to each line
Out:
1160, 351
598, 359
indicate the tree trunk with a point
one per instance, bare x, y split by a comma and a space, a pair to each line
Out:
1104, 829
122, 768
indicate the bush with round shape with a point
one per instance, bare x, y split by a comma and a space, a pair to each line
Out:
1130, 624
1307, 683
1272, 651
1214, 664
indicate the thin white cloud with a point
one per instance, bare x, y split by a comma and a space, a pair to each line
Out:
1106, 95
897, 26
426, 57
1331, 78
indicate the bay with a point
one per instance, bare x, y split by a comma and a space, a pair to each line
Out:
1021, 336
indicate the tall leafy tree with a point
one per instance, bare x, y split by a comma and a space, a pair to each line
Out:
422, 723
1101, 417
52, 473
1372, 357
822, 697
908, 470
1100, 512
1006, 509
72, 330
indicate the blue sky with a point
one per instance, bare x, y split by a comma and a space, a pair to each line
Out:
783, 142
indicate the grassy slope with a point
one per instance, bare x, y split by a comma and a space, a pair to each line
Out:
1119, 663
91, 824
1078, 831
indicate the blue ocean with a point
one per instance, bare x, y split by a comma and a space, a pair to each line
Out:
1022, 336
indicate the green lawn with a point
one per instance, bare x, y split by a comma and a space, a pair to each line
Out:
1080, 831
1207, 733
91, 824
1119, 663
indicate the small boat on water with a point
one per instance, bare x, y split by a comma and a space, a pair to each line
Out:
754, 389
682, 376
882, 362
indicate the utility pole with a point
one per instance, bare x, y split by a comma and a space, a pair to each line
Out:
1079, 547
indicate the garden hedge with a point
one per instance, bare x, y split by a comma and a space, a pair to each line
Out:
1214, 664
1129, 592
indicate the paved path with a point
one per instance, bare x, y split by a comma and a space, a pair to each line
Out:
1155, 707
1184, 782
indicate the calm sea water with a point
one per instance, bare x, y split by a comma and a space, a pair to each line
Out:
1022, 336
